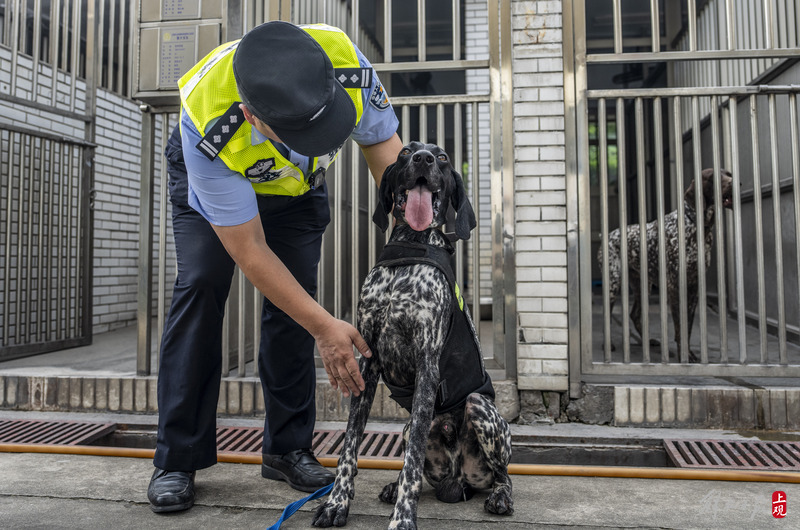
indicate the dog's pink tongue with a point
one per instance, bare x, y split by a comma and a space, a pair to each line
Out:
419, 208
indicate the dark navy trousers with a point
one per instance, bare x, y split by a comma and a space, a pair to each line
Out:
191, 349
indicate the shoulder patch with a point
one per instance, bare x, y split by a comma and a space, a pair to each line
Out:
222, 131
379, 99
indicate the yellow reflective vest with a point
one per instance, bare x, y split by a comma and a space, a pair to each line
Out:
209, 94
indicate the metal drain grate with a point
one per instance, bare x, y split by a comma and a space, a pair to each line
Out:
235, 440
727, 454
326, 443
52, 432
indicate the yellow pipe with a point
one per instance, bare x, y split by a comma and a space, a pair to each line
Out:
513, 469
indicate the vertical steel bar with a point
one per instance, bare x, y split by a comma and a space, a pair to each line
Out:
778, 230
683, 340
662, 237
161, 295
602, 131
20, 292
226, 333
387, 32
759, 221
41, 160
145, 285
31, 178
241, 350
16, 20
422, 38
55, 26
8, 174
122, 38
60, 312
37, 37
338, 187
794, 134
73, 228
355, 230
622, 177
617, 15
476, 240
457, 158
737, 229
644, 278
655, 26
76, 54
730, 26
113, 42
699, 208
423, 124
692, 15
52, 218
719, 219
456, 30
355, 9
258, 300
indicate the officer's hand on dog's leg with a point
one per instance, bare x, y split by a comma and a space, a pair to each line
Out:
335, 343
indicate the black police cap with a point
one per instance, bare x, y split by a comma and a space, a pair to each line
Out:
287, 81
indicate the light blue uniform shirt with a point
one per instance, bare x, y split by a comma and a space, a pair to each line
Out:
226, 198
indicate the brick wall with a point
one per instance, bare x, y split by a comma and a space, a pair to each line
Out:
116, 212
540, 195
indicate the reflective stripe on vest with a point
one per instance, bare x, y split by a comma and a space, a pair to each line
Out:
208, 92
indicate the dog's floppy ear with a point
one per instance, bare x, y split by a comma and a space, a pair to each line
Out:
465, 215
385, 200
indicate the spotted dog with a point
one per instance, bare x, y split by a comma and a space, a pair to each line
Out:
425, 348
672, 249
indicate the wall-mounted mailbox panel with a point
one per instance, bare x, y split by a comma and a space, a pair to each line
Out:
172, 36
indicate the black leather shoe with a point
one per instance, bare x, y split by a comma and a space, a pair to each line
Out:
171, 491
299, 468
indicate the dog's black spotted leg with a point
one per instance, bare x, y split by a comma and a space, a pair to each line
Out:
409, 484
494, 441
334, 511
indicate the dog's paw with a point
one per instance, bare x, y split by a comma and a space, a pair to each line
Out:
389, 493
402, 524
331, 514
500, 503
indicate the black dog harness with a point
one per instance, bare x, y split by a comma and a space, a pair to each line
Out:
461, 369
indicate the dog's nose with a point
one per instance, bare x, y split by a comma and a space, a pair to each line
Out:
423, 156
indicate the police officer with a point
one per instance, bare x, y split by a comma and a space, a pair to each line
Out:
261, 119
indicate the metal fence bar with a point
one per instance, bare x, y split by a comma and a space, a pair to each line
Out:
617, 14
662, 237
655, 26
16, 20
75, 53
737, 227
644, 279
718, 227
623, 230
476, 245
5, 328
683, 342
699, 208
602, 129
422, 53
387, 31
762, 303
161, 310
778, 229
794, 134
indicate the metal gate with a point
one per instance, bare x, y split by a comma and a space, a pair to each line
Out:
656, 92
46, 63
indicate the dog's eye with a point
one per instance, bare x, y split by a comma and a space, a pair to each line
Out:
443, 157
405, 151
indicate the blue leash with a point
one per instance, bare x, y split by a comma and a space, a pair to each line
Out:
289, 510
